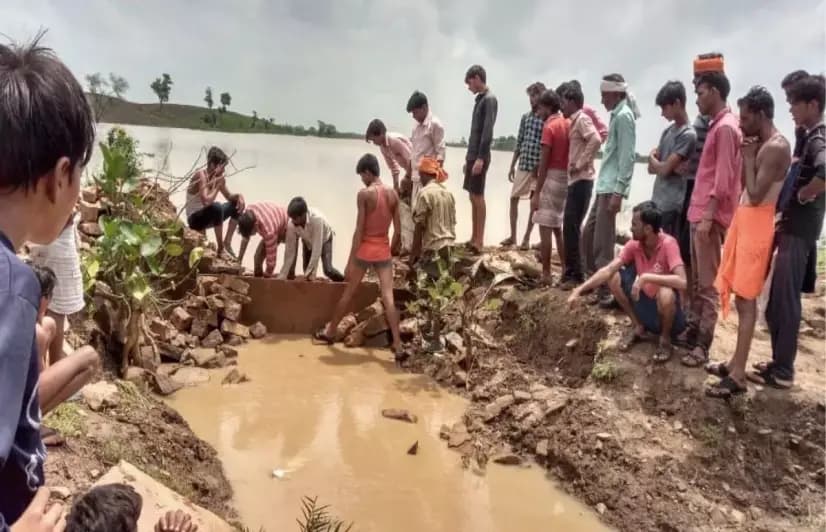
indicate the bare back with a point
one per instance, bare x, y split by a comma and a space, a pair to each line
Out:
770, 163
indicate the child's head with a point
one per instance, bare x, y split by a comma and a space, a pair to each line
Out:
47, 279
216, 160
368, 168
376, 132
246, 224
107, 508
47, 131
297, 211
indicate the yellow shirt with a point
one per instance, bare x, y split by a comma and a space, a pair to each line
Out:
436, 210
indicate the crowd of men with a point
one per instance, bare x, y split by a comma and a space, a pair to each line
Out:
734, 210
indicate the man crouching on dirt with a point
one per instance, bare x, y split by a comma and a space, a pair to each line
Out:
646, 280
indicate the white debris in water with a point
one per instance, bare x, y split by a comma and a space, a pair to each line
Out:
280, 474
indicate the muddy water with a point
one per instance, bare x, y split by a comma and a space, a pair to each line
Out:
315, 412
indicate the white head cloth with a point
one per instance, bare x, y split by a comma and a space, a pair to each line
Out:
621, 86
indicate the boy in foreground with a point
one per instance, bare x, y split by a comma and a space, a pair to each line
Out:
48, 134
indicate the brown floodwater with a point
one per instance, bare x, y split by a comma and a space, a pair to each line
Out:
314, 414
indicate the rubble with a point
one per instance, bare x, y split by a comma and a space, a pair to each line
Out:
258, 330
100, 394
234, 377
399, 414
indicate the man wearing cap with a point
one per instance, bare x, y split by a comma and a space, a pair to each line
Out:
614, 181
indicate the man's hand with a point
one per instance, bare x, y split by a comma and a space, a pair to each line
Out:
176, 521
573, 299
704, 229
573, 168
810, 191
653, 159
241, 203
635, 288
615, 203
535, 202
511, 174
37, 519
478, 166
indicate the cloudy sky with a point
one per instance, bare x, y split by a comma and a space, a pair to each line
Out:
348, 61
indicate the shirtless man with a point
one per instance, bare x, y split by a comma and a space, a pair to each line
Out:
749, 243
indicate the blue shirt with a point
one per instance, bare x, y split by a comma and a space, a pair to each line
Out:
21, 450
617, 166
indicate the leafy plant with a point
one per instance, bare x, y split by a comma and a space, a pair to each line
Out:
317, 518
436, 293
604, 371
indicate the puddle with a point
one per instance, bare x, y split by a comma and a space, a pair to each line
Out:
315, 413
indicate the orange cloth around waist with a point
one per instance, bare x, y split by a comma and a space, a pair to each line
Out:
375, 242
746, 254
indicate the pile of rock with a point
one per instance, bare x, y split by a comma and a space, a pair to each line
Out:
369, 328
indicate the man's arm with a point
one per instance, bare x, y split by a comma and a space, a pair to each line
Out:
601, 127
290, 247
602, 276
396, 242
243, 250
542, 169
390, 159
775, 159
675, 279
626, 143
420, 213
487, 129
270, 239
664, 168
361, 207
725, 171
317, 233
520, 138
592, 143
206, 192
438, 136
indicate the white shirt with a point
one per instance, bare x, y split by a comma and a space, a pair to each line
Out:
428, 140
314, 234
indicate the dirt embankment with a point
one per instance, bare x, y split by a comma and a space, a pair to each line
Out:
640, 442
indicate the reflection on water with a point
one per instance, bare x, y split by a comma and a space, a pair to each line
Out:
323, 171
315, 412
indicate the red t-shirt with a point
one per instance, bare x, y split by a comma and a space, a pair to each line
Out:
665, 259
556, 134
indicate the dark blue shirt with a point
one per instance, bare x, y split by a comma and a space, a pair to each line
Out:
21, 451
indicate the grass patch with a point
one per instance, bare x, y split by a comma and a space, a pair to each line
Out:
131, 395
604, 371
66, 419
710, 435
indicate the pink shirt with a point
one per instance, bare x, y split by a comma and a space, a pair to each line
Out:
428, 140
602, 129
719, 170
271, 223
396, 151
665, 260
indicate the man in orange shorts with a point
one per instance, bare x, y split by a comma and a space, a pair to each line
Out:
749, 242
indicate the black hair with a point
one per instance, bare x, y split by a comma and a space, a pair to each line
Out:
576, 83
650, 214
246, 223
107, 508
714, 80
416, 101
810, 88
368, 163
562, 86
47, 279
535, 88
671, 93
758, 100
44, 115
374, 128
477, 71
297, 207
793, 77
216, 156
572, 91
550, 99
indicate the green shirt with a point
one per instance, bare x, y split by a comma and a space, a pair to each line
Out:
619, 155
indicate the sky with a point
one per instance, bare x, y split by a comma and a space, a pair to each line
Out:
348, 61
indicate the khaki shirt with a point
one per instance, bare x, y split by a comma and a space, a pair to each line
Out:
436, 210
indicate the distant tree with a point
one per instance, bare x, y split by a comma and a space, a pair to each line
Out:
99, 92
326, 130
162, 86
208, 98
226, 100
254, 119
118, 84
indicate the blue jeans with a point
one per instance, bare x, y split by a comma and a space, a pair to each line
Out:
645, 308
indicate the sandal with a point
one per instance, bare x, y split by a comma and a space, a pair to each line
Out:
401, 355
631, 337
694, 360
508, 242
321, 337
768, 378
725, 389
663, 353
525, 246
718, 369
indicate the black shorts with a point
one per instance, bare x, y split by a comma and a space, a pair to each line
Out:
475, 184
211, 216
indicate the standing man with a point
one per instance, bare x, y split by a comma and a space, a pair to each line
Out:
395, 148
527, 153
676, 146
584, 144
591, 113
614, 179
316, 235
548, 204
799, 228
749, 241
715, 197
477, 159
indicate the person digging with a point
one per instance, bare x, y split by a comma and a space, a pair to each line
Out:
646, 279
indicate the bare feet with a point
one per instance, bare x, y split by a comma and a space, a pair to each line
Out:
176, 521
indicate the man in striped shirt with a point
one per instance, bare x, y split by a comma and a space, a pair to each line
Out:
395, 148
269, 221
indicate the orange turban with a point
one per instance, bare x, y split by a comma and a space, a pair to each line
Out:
431, 166
709, 63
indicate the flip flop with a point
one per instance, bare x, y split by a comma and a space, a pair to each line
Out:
767, 378
718, 369
693, 360
663, 353
321, 337
508, 242
725, 389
